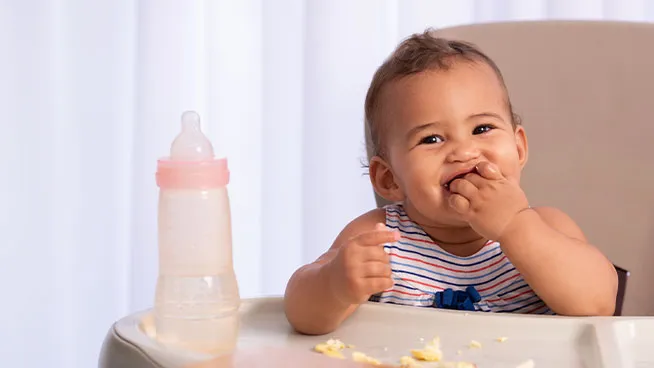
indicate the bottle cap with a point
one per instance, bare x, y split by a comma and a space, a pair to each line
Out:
191, 164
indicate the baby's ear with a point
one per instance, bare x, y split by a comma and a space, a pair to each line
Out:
383, 180
521, 145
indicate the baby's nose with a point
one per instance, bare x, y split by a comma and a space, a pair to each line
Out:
463, 152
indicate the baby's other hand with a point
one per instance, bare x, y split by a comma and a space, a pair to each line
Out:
361, 267
487, 200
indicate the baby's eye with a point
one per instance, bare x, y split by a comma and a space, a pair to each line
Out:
431, 139
481, 129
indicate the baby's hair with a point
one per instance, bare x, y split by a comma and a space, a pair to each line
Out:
418, 53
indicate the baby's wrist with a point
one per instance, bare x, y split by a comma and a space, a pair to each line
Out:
327, 274
518, 223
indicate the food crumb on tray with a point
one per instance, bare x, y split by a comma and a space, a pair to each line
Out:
331, 348
408, 362
431, 352
475, 344
363, 358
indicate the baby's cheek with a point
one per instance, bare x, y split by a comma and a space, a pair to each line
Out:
512, 174
427, 183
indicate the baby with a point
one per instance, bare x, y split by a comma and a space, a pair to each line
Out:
447, 150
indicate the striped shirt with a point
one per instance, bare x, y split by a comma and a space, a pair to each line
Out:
421, 268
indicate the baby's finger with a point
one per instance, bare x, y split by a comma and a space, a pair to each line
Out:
464, 187
377, 237
377, 269
476, 179
489, 170
377, 253
376, 285
459, 203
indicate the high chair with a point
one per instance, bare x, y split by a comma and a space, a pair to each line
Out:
584, 92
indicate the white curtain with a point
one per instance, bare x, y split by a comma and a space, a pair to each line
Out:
91, 93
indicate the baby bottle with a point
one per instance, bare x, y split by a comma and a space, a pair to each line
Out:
197, 297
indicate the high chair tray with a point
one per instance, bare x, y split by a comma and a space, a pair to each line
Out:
388, 332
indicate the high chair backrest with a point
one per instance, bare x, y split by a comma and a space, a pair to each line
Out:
585, 92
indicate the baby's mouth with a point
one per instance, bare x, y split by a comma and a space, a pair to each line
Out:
447, 185
458, 176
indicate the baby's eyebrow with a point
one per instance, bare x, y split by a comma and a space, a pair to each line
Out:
485, 115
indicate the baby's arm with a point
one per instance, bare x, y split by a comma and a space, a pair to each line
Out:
551, 252
321, 295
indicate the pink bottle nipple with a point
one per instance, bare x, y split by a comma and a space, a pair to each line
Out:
191, 144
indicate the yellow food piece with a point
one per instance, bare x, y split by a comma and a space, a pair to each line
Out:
321, 348
331, 348
475, 344
334, 354
427, 355
335, 343
430, 353
408, 362
502, 339
331, 344
363, 358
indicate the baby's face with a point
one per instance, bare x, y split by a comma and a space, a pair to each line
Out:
441, 123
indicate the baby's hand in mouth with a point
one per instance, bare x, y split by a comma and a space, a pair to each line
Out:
460, 176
